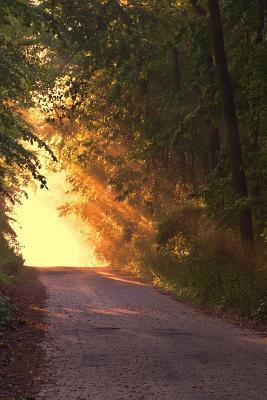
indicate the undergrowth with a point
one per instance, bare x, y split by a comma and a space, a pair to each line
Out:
6, 310
211, 282
202, 265
11, 267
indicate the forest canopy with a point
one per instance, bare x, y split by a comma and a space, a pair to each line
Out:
159, 108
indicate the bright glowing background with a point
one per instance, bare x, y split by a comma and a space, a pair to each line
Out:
46, 238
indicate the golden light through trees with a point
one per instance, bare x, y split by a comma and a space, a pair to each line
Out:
160, 135
48, 239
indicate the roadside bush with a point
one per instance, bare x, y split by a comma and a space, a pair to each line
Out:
10, 270
6, 310
191, 258
10, 262
206, 280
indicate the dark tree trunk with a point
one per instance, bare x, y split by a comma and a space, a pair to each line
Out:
214, 147
205, 164
232, 129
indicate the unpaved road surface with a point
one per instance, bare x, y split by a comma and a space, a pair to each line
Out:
110, 338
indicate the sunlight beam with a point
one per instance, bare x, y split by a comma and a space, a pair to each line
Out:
46, 238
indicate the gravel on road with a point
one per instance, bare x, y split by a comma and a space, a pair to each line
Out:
113, 338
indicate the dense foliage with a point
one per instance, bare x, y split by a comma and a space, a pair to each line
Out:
154, 115
21, 70
160, 108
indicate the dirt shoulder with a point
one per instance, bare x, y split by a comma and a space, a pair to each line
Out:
20, 351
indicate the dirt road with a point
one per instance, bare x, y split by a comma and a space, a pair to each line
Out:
110, 338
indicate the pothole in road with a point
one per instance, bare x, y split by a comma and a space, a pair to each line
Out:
105, 329
170, 332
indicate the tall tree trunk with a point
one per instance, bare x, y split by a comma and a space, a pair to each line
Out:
214, 147
232, 129
205, 163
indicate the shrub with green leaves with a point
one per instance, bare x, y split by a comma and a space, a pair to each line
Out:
6, 310
210, 282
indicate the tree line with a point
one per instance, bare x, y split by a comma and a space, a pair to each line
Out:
160, 109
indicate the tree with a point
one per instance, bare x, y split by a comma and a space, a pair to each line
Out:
22, 71
233, 136
150, 140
